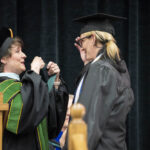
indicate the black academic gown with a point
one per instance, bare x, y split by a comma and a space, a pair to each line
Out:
107, 96
37, 104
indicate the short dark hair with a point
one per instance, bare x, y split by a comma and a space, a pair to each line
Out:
16, 40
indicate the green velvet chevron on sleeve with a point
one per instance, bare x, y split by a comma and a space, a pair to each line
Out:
11, 95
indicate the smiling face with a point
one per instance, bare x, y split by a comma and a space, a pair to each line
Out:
15, 62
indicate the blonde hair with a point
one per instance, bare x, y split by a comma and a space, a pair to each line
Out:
112, 49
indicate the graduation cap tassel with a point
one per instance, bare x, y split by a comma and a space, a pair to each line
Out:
11, 32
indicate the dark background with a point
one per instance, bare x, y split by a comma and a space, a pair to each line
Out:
47, 30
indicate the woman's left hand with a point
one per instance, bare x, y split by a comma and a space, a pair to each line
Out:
53, 68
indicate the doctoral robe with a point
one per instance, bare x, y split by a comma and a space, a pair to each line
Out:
35, 115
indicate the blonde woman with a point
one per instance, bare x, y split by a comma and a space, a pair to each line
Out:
103, 86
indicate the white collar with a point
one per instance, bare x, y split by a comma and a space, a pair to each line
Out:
10, 75
97, 58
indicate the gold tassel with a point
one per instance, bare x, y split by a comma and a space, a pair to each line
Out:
11, 32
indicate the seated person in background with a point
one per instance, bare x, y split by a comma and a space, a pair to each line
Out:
37, 111
58, 143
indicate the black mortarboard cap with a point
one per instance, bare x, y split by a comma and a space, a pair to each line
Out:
99, 22
6, 36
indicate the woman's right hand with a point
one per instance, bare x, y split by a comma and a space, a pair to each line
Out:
37, 64
81, 50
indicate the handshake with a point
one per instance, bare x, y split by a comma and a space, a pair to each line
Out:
52, 68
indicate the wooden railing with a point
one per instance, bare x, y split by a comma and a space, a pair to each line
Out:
3, 109
77, 138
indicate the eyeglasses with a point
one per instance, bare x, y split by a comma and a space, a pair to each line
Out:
82, 39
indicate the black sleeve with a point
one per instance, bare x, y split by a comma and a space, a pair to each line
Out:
35, 97
110, 105
104, 98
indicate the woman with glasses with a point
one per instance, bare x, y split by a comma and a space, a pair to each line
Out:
103, 86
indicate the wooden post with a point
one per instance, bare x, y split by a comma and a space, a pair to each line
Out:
3, 107
77, 138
